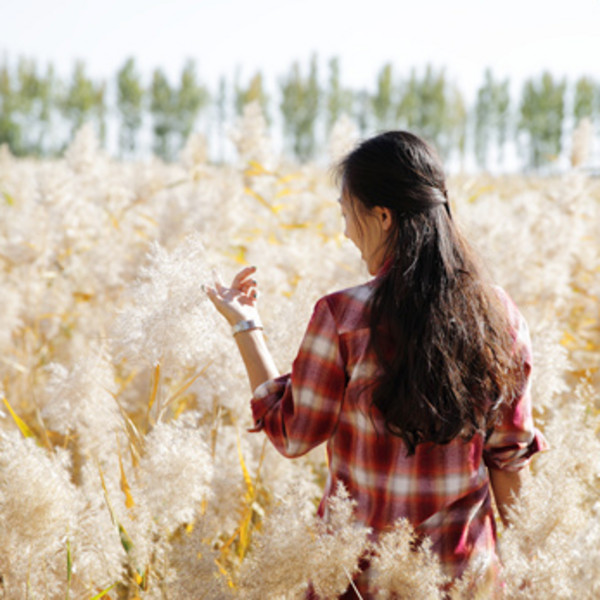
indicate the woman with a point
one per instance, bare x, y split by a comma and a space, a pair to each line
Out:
418, 380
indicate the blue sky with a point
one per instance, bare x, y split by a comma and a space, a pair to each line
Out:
517, 38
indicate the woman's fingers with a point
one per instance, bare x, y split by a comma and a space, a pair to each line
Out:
242, 277
229, 300
247, 286
249, 296
220, 293
212, 293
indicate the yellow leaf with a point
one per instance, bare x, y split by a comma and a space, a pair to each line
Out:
247, 478
129, 503
289, 177
255, 168
225, 547
124, 382
479, 192
225, 574
19, 422
253, 233
239, 255
82, 296
133, 434
182, 389
274, 209
568, 340
247, 514
284, 192
245, 532
246, 522
9, 199
295, 225
142, 234
126, 540
153, 394
103, 592
106, 498
295, 280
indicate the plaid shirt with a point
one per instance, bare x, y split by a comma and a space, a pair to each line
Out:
443, 490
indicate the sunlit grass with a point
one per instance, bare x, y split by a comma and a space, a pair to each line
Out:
123, 386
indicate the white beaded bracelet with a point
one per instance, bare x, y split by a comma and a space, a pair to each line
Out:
246, 326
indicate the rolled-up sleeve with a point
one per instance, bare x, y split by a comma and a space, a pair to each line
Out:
300, 410
514, 438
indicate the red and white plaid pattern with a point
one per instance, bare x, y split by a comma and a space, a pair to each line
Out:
443, 490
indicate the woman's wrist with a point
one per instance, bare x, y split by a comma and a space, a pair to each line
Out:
246, 325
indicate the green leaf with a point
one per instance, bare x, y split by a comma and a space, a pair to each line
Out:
125, 539
103, 592
69, 567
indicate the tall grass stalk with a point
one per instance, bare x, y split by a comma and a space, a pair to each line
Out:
123, 448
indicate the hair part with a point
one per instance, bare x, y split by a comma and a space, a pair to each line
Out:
438, 328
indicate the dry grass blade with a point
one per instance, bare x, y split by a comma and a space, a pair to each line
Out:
103, 592
275, 209
126, 540
225, 574
182, 389
69, 568
245, 528
239, 254
129, 503
153, 394
136, 441
255, 168
74, 245
23, 428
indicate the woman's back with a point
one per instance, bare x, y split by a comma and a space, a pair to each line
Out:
443, 490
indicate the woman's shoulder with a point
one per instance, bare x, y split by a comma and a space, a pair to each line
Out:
509, 305
348, 306
516, 320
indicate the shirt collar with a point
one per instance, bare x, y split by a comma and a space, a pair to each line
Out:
385, 267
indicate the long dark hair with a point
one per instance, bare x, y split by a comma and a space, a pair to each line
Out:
438, 328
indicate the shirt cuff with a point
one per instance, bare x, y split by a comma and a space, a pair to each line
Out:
513, 457
265, 396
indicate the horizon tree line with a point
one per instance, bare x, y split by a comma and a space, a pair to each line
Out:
40, 111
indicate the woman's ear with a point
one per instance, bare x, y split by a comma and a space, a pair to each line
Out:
384, 216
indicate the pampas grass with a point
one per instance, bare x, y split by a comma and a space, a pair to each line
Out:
137, 478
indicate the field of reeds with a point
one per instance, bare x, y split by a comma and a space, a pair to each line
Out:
126, 470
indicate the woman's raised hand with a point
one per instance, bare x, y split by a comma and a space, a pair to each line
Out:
237, 302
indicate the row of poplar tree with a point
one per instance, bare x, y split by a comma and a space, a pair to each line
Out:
40, 111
